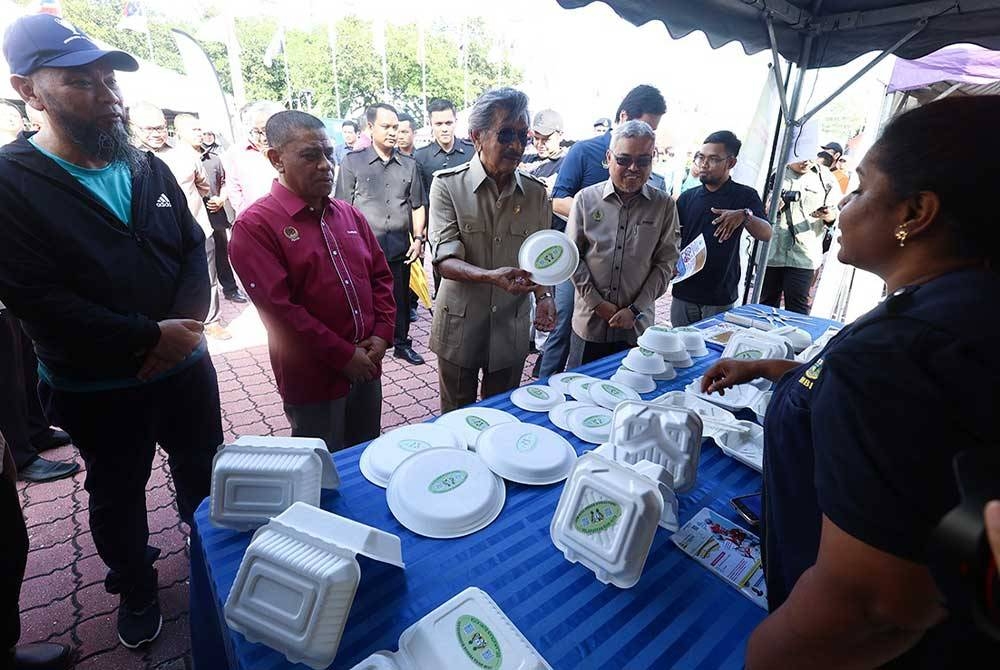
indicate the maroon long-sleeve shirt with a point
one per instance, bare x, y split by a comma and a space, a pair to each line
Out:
321, 285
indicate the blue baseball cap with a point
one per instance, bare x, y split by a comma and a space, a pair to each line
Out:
42, 40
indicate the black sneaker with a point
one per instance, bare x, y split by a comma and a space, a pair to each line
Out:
139, 618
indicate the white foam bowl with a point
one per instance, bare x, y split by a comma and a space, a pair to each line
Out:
381, 458
445, 493
680, 360
536, 398
667, 374
526, 454
549, 256
661, 339
637, 381
644, 361
693, 340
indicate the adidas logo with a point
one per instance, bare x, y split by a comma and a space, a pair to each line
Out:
163, 201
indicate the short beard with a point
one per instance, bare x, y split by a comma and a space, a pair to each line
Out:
709, 180
111, 144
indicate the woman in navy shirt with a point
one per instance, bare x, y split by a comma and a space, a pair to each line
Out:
859, 441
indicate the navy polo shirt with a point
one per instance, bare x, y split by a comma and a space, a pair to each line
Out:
865, 434
584, 166
717, 283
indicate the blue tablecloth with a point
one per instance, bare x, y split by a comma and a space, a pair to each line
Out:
678, 616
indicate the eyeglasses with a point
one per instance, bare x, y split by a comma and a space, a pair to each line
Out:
701, 159
258, 132
625, 160
153, 129
508, 135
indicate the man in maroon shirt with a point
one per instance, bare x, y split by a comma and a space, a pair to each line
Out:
319, 279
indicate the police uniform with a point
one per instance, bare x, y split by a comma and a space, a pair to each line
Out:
432, 158
478, 326
866, 431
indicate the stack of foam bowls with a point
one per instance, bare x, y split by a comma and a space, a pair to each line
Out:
381, 458
257, 478
469, 422
468, 631
607, 516
638, 368
526, 453
638, 382
549, 256
536, 398
608, 394
693, 340
668, 344
445, 493
297, 581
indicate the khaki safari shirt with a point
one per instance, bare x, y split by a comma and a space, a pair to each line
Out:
627, 256
478, 325
805, 250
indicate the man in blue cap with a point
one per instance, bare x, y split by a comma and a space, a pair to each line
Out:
105, 267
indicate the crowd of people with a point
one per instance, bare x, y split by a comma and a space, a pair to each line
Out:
117, 249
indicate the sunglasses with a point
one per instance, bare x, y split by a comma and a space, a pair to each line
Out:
508, 135
638, 161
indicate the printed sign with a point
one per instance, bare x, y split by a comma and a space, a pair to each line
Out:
692, 260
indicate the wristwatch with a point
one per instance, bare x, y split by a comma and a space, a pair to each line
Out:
636, 312
420, 238
747, 215
544, 296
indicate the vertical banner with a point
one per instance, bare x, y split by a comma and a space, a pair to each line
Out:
752, 164
214, 112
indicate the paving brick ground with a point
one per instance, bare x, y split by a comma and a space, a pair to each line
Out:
63, 597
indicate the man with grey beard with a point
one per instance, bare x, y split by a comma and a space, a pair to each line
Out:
105, 267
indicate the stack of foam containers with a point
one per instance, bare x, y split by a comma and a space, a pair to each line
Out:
755, 345
298, 578
257, 478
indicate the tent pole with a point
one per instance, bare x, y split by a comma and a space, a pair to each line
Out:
782, 162
776, 70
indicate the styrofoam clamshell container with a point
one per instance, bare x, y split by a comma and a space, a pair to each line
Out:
297, 581
800, 338
607, 517
384, 454
760, 407
712, 416
526, 453
636, 381
259, 477
736, 397
663, 435
644, 361
747, 448
752, 346
469, 631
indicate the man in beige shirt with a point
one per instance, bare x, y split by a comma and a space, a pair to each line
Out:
481, 213
628, 236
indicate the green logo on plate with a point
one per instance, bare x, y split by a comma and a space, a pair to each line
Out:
597, 516
549, 257
687, 329
449, 481
477, 422
749, 355
538, 393
526, 442
478, 642
613, 391
413, 445
597, 421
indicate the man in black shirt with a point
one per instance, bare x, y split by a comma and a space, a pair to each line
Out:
547, 135
719, 209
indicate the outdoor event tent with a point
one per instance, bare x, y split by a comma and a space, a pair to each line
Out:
814, 34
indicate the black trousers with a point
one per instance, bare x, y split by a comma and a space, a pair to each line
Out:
22, 420
401, 294
582, 352
794, 283
116, 432
13, 558
222, 265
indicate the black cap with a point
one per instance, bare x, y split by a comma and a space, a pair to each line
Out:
833, 146
42, 40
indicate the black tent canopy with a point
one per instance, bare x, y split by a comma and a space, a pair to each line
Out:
817, 34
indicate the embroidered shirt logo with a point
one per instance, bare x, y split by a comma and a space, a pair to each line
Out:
163, 201
812, 374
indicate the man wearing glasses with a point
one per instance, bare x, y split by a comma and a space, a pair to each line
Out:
627, 234
248, 172
481, 213
720, 210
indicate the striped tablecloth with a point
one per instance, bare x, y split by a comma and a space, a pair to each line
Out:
678, 616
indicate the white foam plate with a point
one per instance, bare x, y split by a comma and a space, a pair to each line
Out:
468, 422
549, 256
591, 424
385, 453
560, 381
747, 448
536, 398
445, 493
736, 398
636, 381
526, 454
608, 393
580, 389
559, 415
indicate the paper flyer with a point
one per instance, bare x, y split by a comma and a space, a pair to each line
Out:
692, 259
727, 550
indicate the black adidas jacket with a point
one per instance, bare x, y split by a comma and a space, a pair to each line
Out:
88, 288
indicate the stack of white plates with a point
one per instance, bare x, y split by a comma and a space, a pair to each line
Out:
635, 380
381, 458
591, 424
536, 398
579, 388
560, 381
559, 415
469, 422
529, 454
445, 493
549, 256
